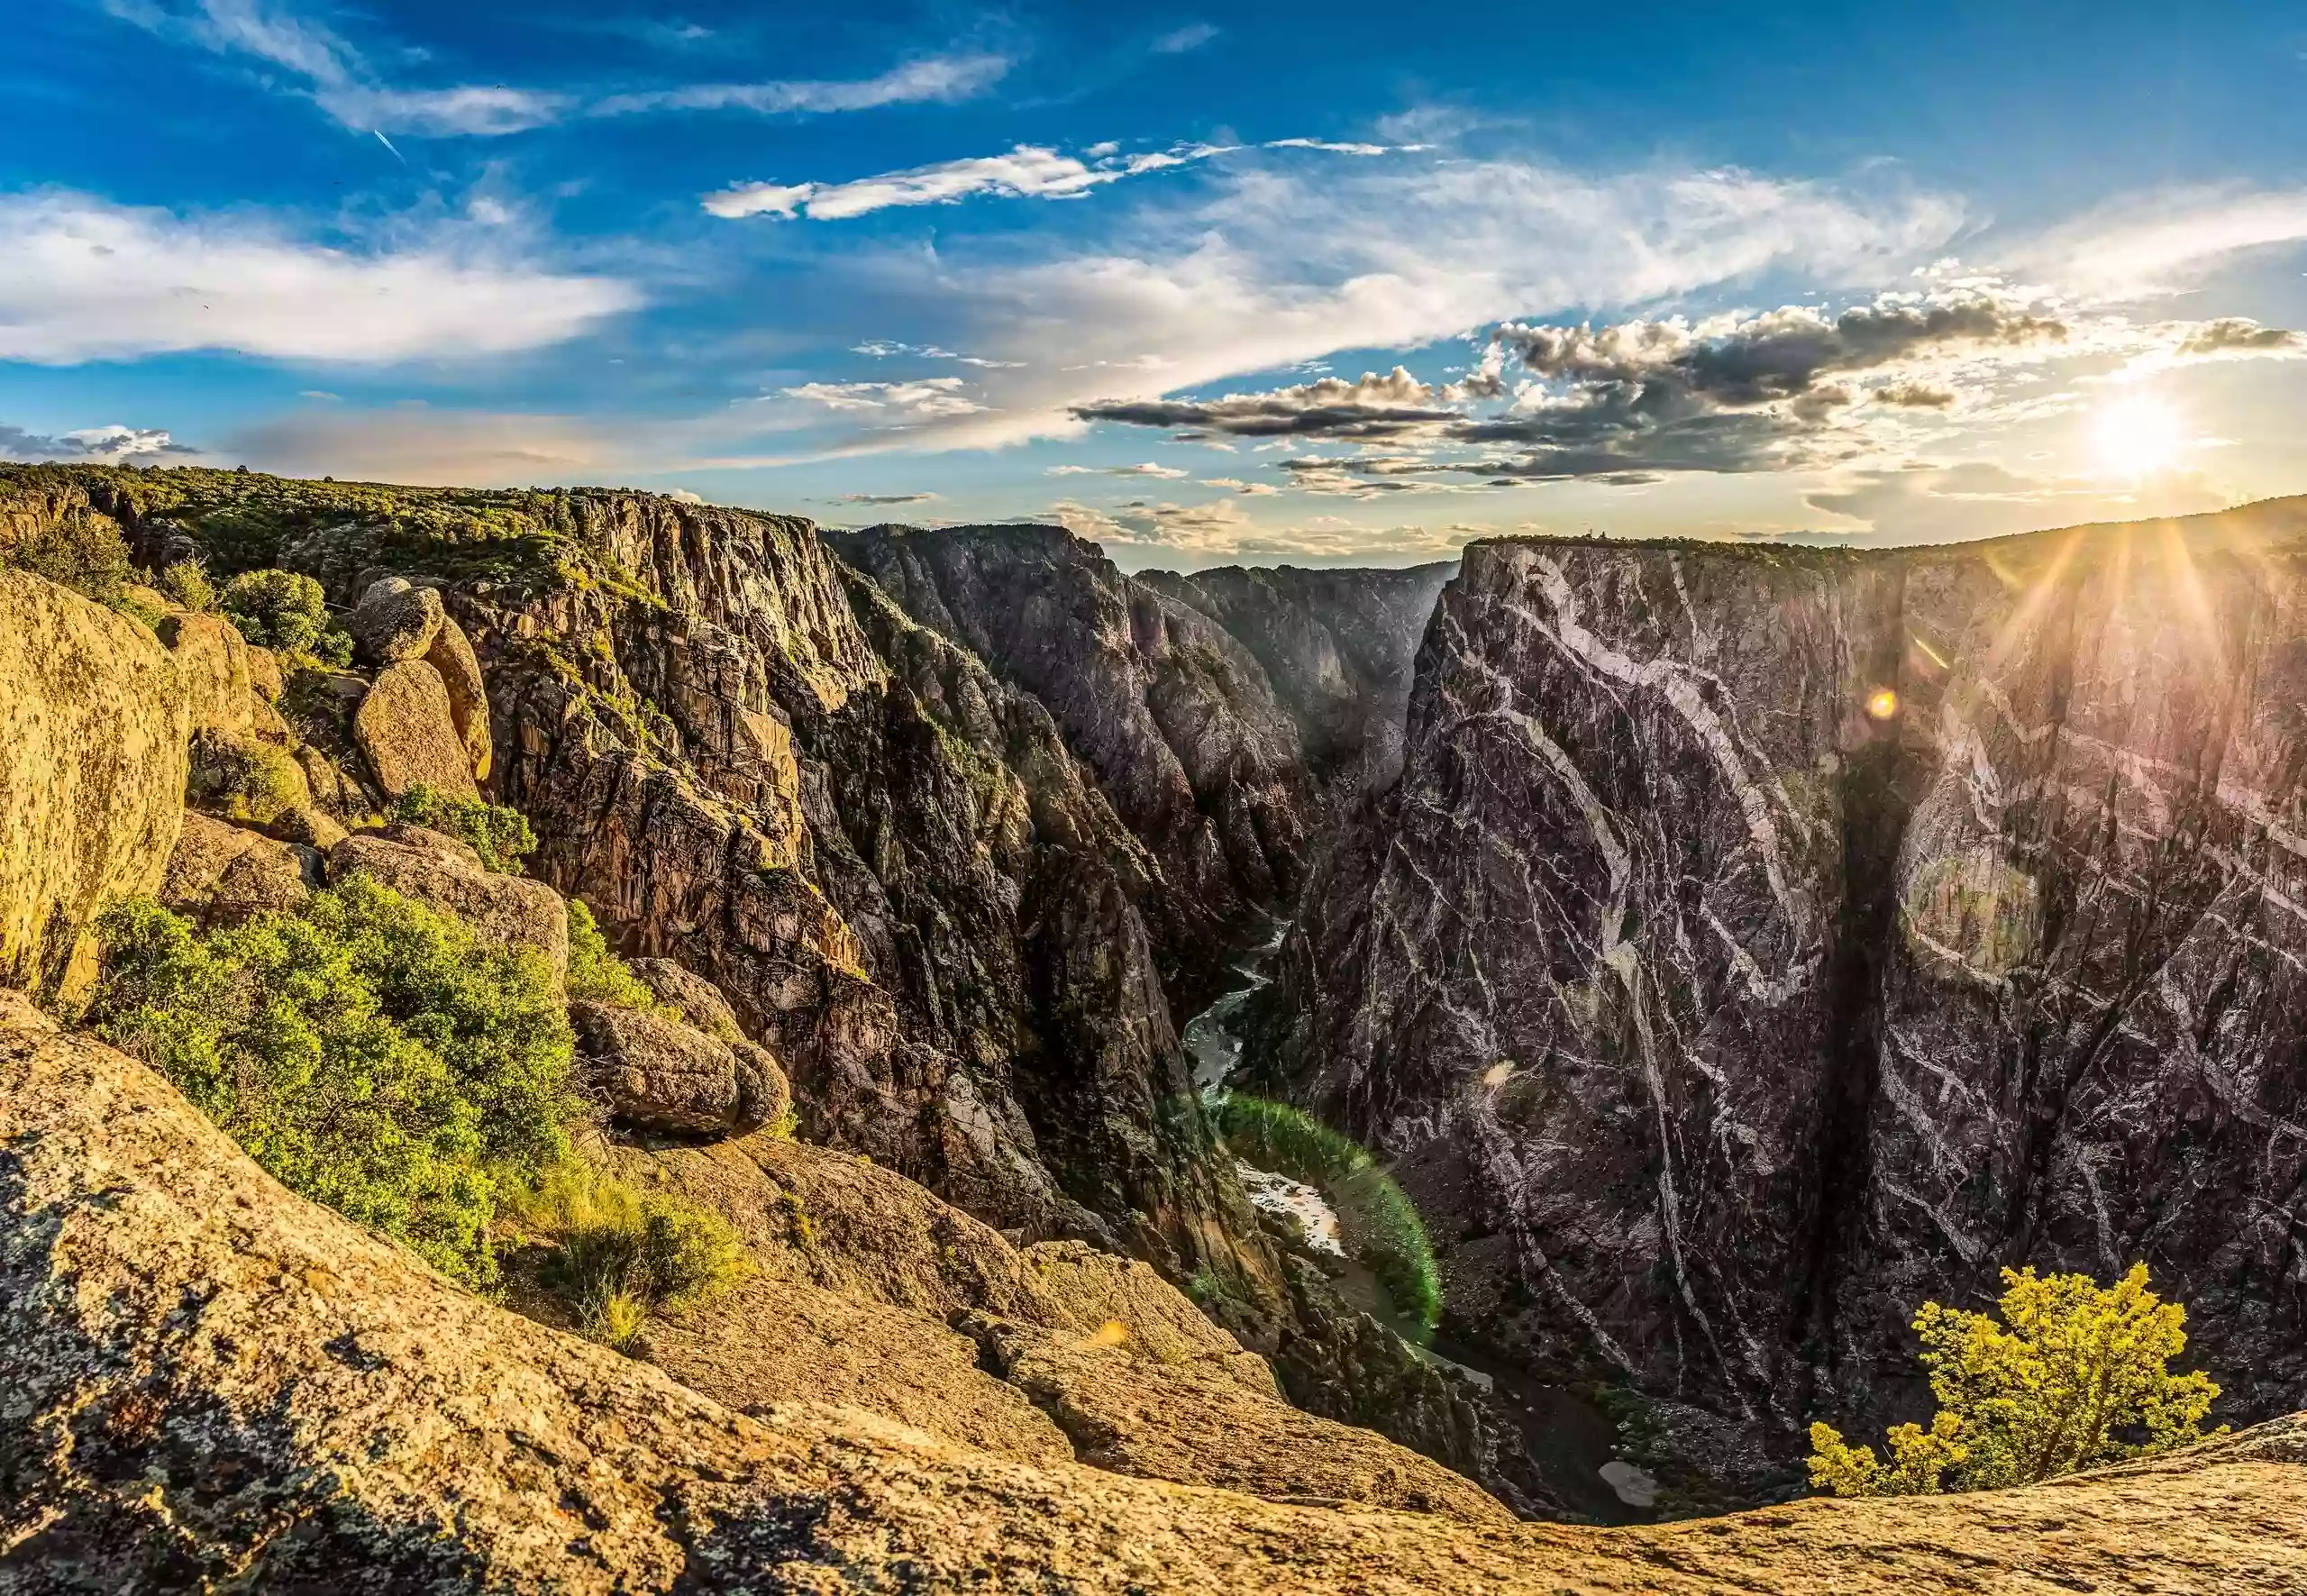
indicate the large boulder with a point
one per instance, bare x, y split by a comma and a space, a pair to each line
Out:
214, 665
92, 732
395, 622
222, 874
446, 874
406, 728
658, 1074
701, 1002
451, 655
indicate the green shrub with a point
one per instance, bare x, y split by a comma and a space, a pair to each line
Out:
285, 610
500, 835
368, 1052
186, 583
246, 778
2050, 1390
78, 550
597, 975
1392, 1237
619, 1255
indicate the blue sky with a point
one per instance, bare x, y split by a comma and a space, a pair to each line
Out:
1330, 283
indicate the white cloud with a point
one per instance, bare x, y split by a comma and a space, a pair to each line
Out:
1335, 149
682, 496
1147, 469
1029, 171
1274, 265
2160, 243
343, 83
82, 279
930, 397
111, 444
1235, 485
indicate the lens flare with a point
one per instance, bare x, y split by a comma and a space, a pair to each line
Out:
1882, 703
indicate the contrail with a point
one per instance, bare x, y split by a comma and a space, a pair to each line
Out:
387, 144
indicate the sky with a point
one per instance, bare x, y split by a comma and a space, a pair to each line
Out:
1261, 284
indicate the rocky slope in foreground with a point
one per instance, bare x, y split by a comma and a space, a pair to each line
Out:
214, 1385
1762, 941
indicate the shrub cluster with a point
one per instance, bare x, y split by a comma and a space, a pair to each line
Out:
500, 834
285, 610
368, 1052
597, 975
78, 550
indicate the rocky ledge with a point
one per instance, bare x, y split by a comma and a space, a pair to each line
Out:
213, 1385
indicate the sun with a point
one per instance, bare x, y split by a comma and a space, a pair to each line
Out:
2138, 436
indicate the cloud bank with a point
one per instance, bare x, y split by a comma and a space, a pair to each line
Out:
83, 279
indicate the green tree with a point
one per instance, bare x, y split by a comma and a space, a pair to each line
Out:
2073, 1376
369, 1053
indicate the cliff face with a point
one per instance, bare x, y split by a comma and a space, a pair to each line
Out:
1227, 714
1337, 648
1759, 942
743, 758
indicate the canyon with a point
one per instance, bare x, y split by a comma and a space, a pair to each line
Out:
1725, 947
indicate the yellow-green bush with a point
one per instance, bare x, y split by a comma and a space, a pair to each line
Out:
597, 975
2064, 1380
244, 777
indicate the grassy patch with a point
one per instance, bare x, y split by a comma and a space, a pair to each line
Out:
618, 1255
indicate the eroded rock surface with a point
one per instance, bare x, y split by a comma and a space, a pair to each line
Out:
214, 1385
221, 874
407, 729
657, 1073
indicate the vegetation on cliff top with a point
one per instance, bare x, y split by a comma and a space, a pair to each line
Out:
2074, 1376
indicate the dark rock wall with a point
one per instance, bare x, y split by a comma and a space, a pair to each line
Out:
1716, 1022
742, 757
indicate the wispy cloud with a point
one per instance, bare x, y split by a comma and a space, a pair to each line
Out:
1179, 41
342, 81
1029, 171
460, 448
1149, 468
83, 279
885, 498
931, 79
2147, 245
